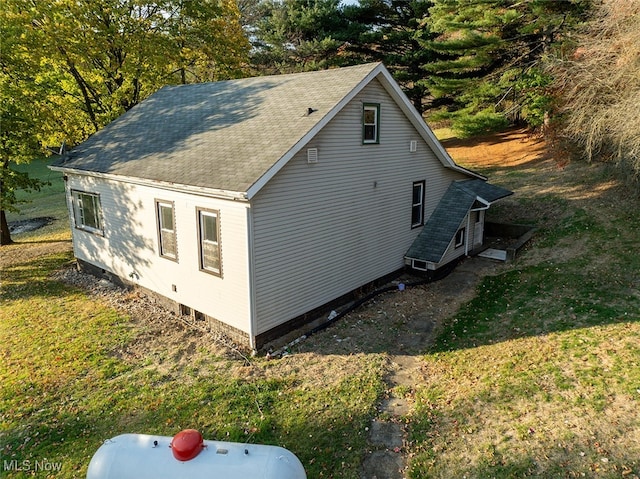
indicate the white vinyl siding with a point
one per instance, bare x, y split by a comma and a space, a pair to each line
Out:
324, 229
167, 241
87, 211
453, 252
129, 247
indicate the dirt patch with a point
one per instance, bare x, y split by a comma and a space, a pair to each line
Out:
31, 224
510, 148
160, 338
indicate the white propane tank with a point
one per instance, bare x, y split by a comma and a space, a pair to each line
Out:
142, 456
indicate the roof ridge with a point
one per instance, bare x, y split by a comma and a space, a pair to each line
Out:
370, 66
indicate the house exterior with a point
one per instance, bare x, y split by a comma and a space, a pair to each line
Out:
252, 202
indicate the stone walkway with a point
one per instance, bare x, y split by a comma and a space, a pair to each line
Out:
387, 434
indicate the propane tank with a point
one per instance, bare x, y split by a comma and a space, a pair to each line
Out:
187, 455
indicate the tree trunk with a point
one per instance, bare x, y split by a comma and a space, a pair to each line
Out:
5, 234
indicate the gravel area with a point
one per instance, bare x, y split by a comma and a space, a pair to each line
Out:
159, 334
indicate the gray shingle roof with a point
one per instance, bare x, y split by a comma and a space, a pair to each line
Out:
432, 242
223, 135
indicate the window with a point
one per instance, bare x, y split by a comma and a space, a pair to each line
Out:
87, 211
459, 238
417, 205
420, 265
167, 244
371, 123
209, 239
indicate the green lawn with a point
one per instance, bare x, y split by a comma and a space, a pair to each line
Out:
538, 376
48, 202
66, 388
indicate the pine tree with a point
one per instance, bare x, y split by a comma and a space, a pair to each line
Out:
300, 35
394, 35
491, 72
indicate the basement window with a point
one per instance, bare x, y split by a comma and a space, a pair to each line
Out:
419, 265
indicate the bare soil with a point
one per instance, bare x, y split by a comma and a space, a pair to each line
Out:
510, 148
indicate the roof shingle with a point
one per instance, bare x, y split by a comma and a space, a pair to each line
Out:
436, 235
223, 135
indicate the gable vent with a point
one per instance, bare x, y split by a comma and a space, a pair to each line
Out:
413, 146
312, 155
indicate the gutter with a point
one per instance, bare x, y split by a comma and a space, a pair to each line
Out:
164, 185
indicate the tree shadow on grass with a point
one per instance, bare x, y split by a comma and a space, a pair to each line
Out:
70, 422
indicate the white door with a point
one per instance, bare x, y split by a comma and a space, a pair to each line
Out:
478, 229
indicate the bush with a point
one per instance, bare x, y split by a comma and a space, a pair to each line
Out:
467, 124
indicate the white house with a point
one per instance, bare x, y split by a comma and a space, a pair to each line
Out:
251, 203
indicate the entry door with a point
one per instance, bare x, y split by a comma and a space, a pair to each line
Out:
478, 229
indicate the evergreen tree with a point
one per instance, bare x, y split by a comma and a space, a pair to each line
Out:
491, 73
395, 32
300, 35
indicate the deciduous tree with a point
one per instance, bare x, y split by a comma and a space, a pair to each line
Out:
69, 67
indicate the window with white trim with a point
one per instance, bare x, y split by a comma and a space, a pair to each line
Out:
209, 241
87, 211
371, 123
167, 244
459, 241
417, 204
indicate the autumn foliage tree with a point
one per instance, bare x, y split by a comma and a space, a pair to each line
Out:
69, 67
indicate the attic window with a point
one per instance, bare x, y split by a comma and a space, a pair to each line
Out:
371, 123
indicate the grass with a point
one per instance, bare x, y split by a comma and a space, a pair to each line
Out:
539, 374
65, 388
48, 202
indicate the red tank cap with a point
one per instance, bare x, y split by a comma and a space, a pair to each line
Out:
187, 444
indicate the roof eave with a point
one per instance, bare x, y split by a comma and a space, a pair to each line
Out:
164, 185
